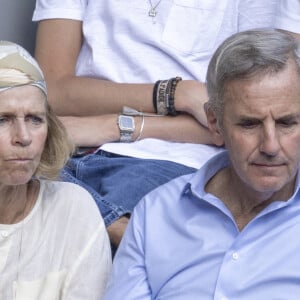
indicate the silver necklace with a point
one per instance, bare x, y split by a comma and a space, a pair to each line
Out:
153, 12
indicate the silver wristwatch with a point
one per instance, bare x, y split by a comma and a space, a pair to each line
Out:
126, 127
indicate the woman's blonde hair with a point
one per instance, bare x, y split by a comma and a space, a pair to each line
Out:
57, 149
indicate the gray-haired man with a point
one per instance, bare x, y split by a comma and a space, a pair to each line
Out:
230, 231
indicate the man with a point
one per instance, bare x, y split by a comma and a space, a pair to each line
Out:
229, 231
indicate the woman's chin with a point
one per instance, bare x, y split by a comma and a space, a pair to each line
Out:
16, 180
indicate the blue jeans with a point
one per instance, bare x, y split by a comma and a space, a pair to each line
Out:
116, 182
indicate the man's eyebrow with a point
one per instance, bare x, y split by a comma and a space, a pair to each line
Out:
289, 117
248, 118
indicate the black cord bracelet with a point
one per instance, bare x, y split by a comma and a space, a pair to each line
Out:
154, 95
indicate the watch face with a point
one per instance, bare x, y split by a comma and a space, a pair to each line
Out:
126, 122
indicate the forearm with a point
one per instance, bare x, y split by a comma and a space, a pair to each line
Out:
182, 128
97, 130
83, 96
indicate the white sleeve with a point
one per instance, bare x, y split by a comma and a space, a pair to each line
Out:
288, 15
65, 9
129, 278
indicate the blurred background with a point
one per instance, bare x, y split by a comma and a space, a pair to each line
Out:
15, 22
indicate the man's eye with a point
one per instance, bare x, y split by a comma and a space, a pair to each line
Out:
287, 123
248, 124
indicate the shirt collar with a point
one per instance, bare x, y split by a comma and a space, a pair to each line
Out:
198, 182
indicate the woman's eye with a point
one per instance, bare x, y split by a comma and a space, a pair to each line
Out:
3, 120
35, 120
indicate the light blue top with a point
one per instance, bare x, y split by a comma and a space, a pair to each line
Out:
183, 243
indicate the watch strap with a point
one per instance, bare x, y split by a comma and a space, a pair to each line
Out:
126, 137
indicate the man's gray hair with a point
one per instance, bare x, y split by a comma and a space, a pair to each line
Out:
247, 54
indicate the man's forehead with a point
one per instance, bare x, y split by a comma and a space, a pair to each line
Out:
286, 82
266, 96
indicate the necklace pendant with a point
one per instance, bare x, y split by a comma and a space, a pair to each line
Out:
152, 13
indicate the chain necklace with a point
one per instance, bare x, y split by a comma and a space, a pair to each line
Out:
153, 12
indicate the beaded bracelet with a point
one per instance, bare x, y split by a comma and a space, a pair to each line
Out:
171, 96
154, 95
164, 96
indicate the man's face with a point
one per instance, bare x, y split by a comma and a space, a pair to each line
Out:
261, 129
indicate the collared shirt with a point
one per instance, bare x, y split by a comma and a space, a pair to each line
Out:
182, 243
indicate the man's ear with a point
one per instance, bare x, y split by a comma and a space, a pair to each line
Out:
213, 126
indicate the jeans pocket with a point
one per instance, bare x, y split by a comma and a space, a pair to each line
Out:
193, 26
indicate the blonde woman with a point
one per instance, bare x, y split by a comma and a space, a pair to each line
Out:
53, 242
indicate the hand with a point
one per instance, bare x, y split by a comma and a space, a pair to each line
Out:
190, 97
92, 131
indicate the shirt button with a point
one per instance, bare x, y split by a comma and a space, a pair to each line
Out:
4, 234
235, 255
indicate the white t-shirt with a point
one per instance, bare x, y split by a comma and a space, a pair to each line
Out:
59, 251
288, 16
123, 44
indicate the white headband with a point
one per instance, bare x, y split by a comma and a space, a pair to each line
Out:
15, 57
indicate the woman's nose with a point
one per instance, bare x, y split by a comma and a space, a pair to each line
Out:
21, 133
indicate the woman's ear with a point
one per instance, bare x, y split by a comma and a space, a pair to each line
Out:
213, 126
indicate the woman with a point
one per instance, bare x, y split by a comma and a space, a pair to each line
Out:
53, 243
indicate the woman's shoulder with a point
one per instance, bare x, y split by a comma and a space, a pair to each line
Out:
68, 196
51, 187
61, 186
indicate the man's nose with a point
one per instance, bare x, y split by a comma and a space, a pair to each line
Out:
270, 144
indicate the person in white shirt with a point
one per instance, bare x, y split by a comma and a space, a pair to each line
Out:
53, 241
100, 57
288, 16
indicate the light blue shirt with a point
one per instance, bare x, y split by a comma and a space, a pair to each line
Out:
183, 244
